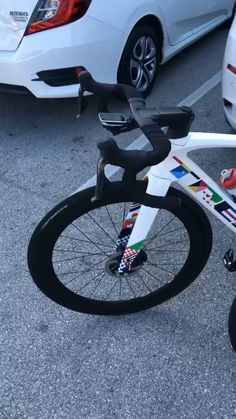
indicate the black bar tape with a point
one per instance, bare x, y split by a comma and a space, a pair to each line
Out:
159, 140
106, 91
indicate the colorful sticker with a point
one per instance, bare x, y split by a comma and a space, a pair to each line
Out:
137, 246
182, 170
127, 259
179, 172
209, 196
198, 186
132, 215
206, 193
212, 196
131, 252
226, 211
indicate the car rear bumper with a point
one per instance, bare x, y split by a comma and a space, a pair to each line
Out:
229, 80
11, 88
87, 43
230, 114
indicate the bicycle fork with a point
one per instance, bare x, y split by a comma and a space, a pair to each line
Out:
137, 225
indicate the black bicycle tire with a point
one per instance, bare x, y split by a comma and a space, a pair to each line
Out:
232, 324
49, 229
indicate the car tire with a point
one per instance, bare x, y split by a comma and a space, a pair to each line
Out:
140, 59
229, 124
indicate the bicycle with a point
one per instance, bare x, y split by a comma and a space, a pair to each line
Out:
232, 325
107, 250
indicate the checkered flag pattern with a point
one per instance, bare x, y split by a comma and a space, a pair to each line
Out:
122, 242
127, 260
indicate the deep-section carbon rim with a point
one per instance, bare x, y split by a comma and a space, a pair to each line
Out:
68, 251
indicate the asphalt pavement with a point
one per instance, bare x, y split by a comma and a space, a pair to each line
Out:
173, 361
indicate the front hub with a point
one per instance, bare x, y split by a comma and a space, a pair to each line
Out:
113, 262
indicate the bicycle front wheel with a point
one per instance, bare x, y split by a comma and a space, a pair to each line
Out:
232, 325
72, 257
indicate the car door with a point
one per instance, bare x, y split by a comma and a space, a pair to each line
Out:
184, 17
214, 12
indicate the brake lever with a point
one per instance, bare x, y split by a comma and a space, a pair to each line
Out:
102, 181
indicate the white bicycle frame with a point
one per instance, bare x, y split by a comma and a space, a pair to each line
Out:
178, 167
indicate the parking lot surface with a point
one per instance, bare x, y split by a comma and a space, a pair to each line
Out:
173, 361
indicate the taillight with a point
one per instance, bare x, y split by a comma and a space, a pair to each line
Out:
52, 13
231, 68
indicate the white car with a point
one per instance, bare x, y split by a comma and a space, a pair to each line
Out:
45, 43
229, 77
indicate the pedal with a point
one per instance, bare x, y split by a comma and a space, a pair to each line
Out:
229, 262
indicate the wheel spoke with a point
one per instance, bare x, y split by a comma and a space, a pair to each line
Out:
65, 250
87, 270
149, 273
147, 47
91, 241
109, 215
97, 285
79, 257
89, 282
135, 70
144, 282
86, 241
150, 69
159, 232
172, 231
140, 49
112, 288
140, 79
162, 269
151, 55
171, 264
168, 244
164, 250
129, 285
104, 231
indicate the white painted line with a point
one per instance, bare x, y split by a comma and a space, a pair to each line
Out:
141, 141
202, 91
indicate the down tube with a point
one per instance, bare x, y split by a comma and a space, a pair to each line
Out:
204, 189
